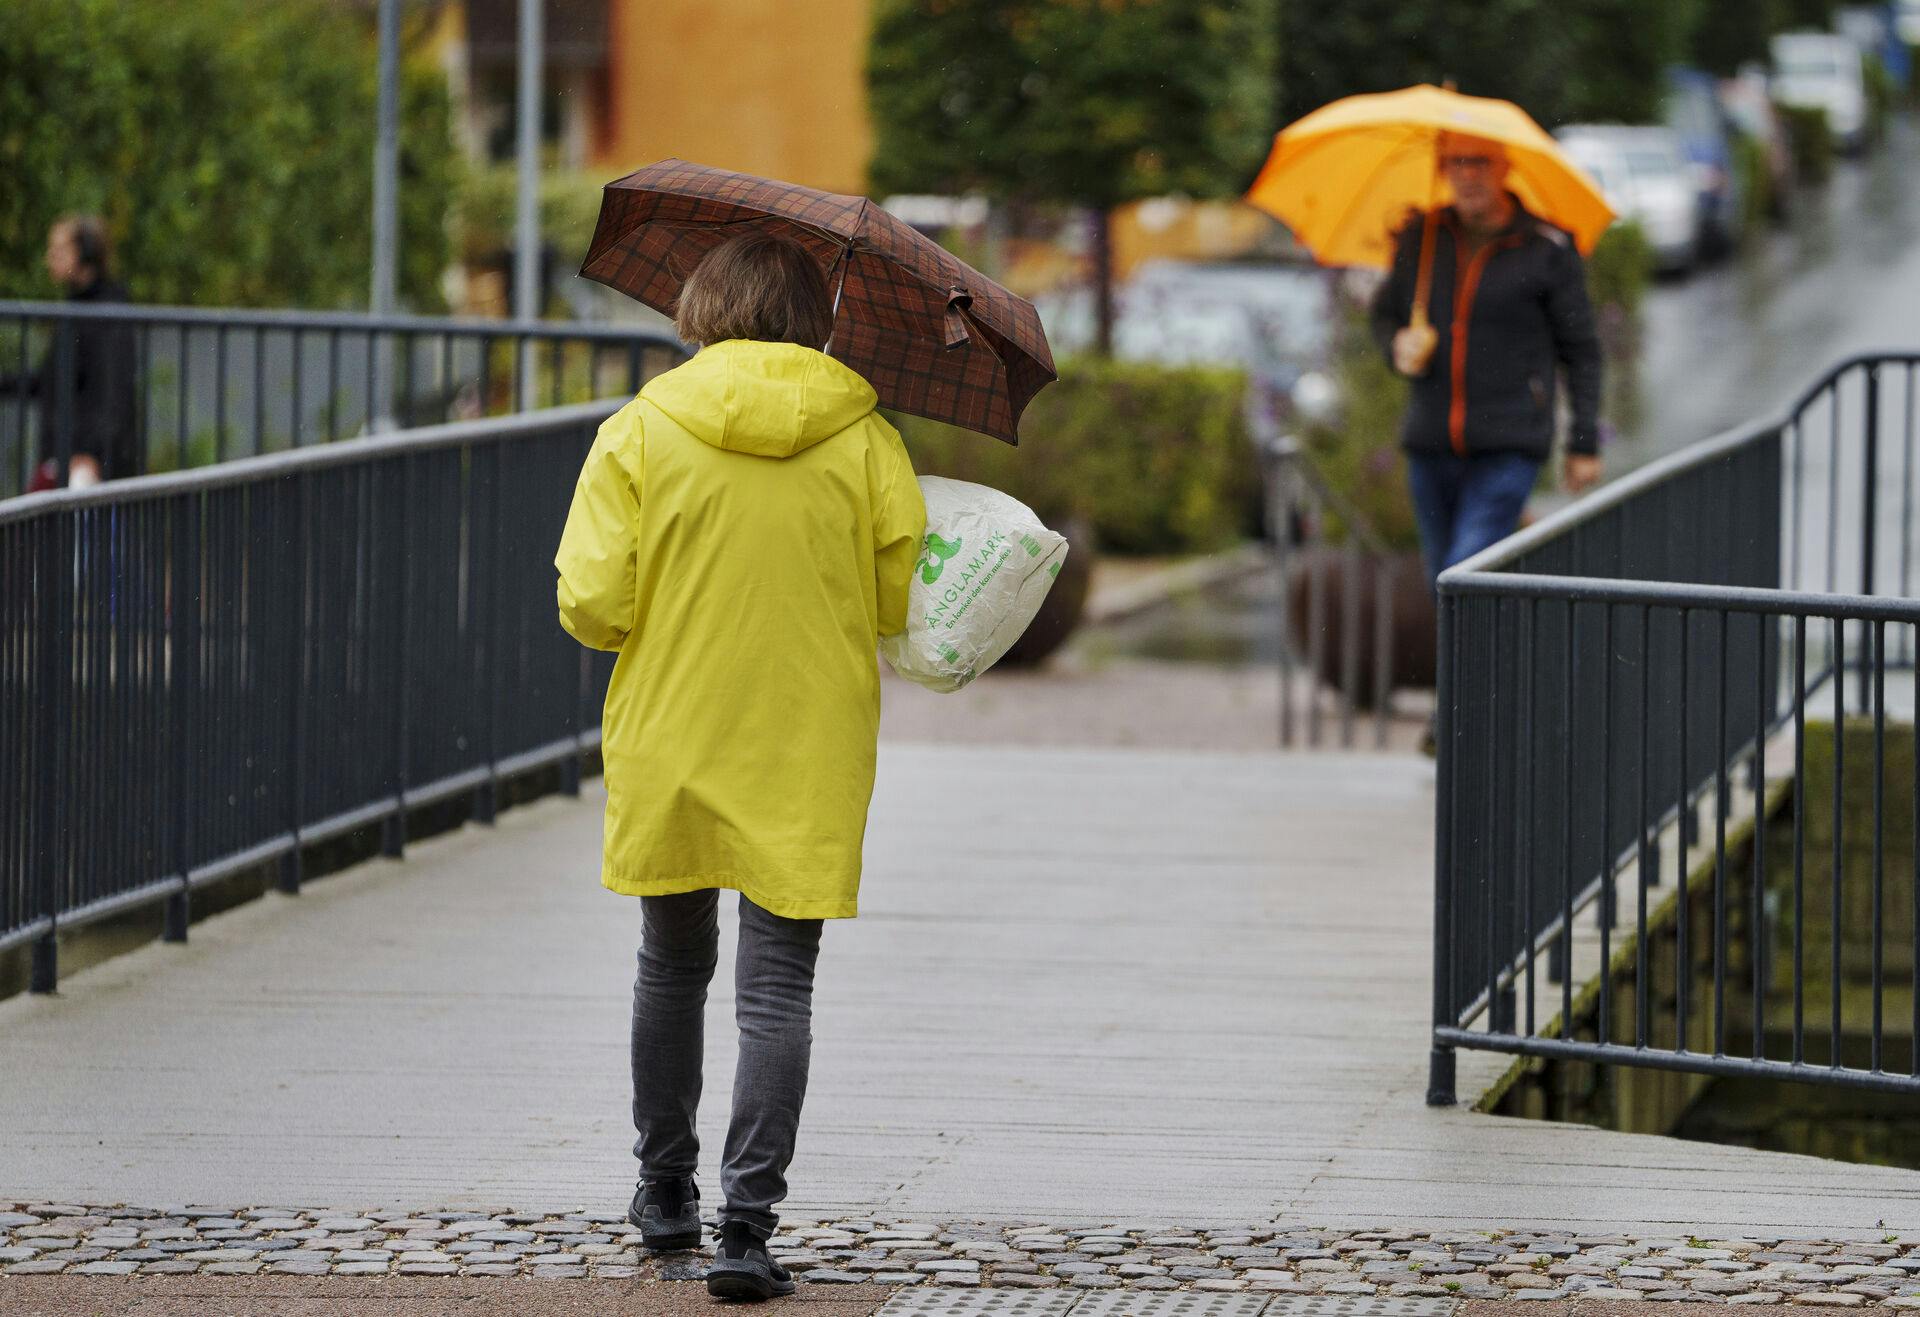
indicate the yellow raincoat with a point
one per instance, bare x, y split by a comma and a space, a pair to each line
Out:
742, 534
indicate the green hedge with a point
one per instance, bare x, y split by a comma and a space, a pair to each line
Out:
227, 143
1157, 458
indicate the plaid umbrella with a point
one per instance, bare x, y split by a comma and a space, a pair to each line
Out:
934, 336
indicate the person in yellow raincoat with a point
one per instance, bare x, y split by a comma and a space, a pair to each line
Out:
742, 534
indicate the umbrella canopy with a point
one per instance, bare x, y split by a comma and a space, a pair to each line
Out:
1345, 177
934, 336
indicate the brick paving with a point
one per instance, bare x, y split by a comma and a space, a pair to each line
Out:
74, 1239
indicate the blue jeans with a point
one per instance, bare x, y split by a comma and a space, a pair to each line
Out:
1465, 504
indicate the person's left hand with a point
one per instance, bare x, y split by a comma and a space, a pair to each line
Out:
1582, 472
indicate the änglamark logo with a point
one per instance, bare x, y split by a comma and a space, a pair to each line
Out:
933, 559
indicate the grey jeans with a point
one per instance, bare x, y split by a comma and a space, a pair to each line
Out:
773, 1007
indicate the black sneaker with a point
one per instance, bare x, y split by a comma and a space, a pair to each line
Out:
667, 1212
742, 1268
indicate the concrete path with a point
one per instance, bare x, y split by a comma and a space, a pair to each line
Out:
1087, 986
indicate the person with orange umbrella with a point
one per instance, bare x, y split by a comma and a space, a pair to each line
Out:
1485, 300
1506, 301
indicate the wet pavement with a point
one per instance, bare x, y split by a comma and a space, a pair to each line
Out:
1742, 338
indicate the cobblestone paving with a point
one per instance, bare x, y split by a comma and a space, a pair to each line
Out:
46, 1238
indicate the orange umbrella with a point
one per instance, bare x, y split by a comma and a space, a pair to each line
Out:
1345, 177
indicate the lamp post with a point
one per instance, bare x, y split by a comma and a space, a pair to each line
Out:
526, 254
386, 198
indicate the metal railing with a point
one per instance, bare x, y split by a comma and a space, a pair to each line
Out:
182, 387
1336, 572
1624, 699
206, 671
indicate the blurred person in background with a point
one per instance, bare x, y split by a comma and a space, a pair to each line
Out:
91, 362
1509, 310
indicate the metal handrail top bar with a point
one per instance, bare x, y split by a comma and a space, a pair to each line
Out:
1664, 594
243, 470
1583, 510
352, 321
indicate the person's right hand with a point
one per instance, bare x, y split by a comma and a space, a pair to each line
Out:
1412, 350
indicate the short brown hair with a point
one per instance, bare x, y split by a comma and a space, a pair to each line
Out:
756, 286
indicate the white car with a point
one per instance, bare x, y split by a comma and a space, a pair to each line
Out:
1906, 21
1643, 174
1819, 70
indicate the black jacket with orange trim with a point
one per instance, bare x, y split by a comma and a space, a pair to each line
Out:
1522, 301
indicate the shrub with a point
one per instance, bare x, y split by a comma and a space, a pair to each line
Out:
1158, 458
1880, 95
227, 143
1619, 271
1812, 140
1755, 181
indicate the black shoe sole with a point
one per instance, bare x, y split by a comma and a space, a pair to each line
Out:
742, 1285
686, 1239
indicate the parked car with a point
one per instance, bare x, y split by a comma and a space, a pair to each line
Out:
1643, 174
1906, 22
1707, 140
1821, 70
1876, 30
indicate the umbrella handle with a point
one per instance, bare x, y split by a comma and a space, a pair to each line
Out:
1423, 282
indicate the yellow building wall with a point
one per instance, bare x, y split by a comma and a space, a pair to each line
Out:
770, 87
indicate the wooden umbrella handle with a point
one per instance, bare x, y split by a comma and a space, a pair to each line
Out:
1423, 282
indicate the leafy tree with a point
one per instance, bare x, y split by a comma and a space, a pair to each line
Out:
1730, 33
1816, 14
228, 144
1083, 102
1560, 60
1615, 56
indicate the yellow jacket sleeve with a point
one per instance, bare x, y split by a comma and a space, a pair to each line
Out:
596, 559
899, 525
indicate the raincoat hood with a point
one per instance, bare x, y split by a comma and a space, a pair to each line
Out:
767, 399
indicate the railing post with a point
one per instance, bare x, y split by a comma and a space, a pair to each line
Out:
291, 865
188, 567
55, 569
1281, 512
1440, 1061
1869, 521
486, 796
393, 830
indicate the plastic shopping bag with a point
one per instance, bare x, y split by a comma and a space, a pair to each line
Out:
985, 567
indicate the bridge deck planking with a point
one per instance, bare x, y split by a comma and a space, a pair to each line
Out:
1086, 986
